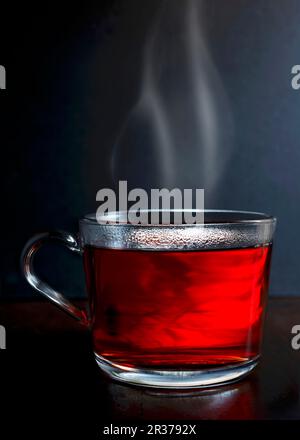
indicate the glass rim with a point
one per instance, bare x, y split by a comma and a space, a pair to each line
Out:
255, 218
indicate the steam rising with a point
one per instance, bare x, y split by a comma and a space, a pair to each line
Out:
180, 131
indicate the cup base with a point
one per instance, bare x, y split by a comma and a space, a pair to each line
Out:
176, 379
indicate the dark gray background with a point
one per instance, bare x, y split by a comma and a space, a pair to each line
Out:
73, 75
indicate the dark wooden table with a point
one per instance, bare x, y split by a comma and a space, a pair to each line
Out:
48, 371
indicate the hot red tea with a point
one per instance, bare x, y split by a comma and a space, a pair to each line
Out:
178, 309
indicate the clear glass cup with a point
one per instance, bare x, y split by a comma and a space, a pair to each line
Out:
170, 305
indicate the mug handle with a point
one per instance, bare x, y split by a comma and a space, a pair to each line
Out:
28, 253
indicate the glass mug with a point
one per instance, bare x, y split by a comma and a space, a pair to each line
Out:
172, 306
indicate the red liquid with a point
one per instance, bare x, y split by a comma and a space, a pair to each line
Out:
184, 310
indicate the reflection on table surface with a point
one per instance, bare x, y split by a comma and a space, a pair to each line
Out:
234, 401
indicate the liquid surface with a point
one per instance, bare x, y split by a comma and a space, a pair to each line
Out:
175, 310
